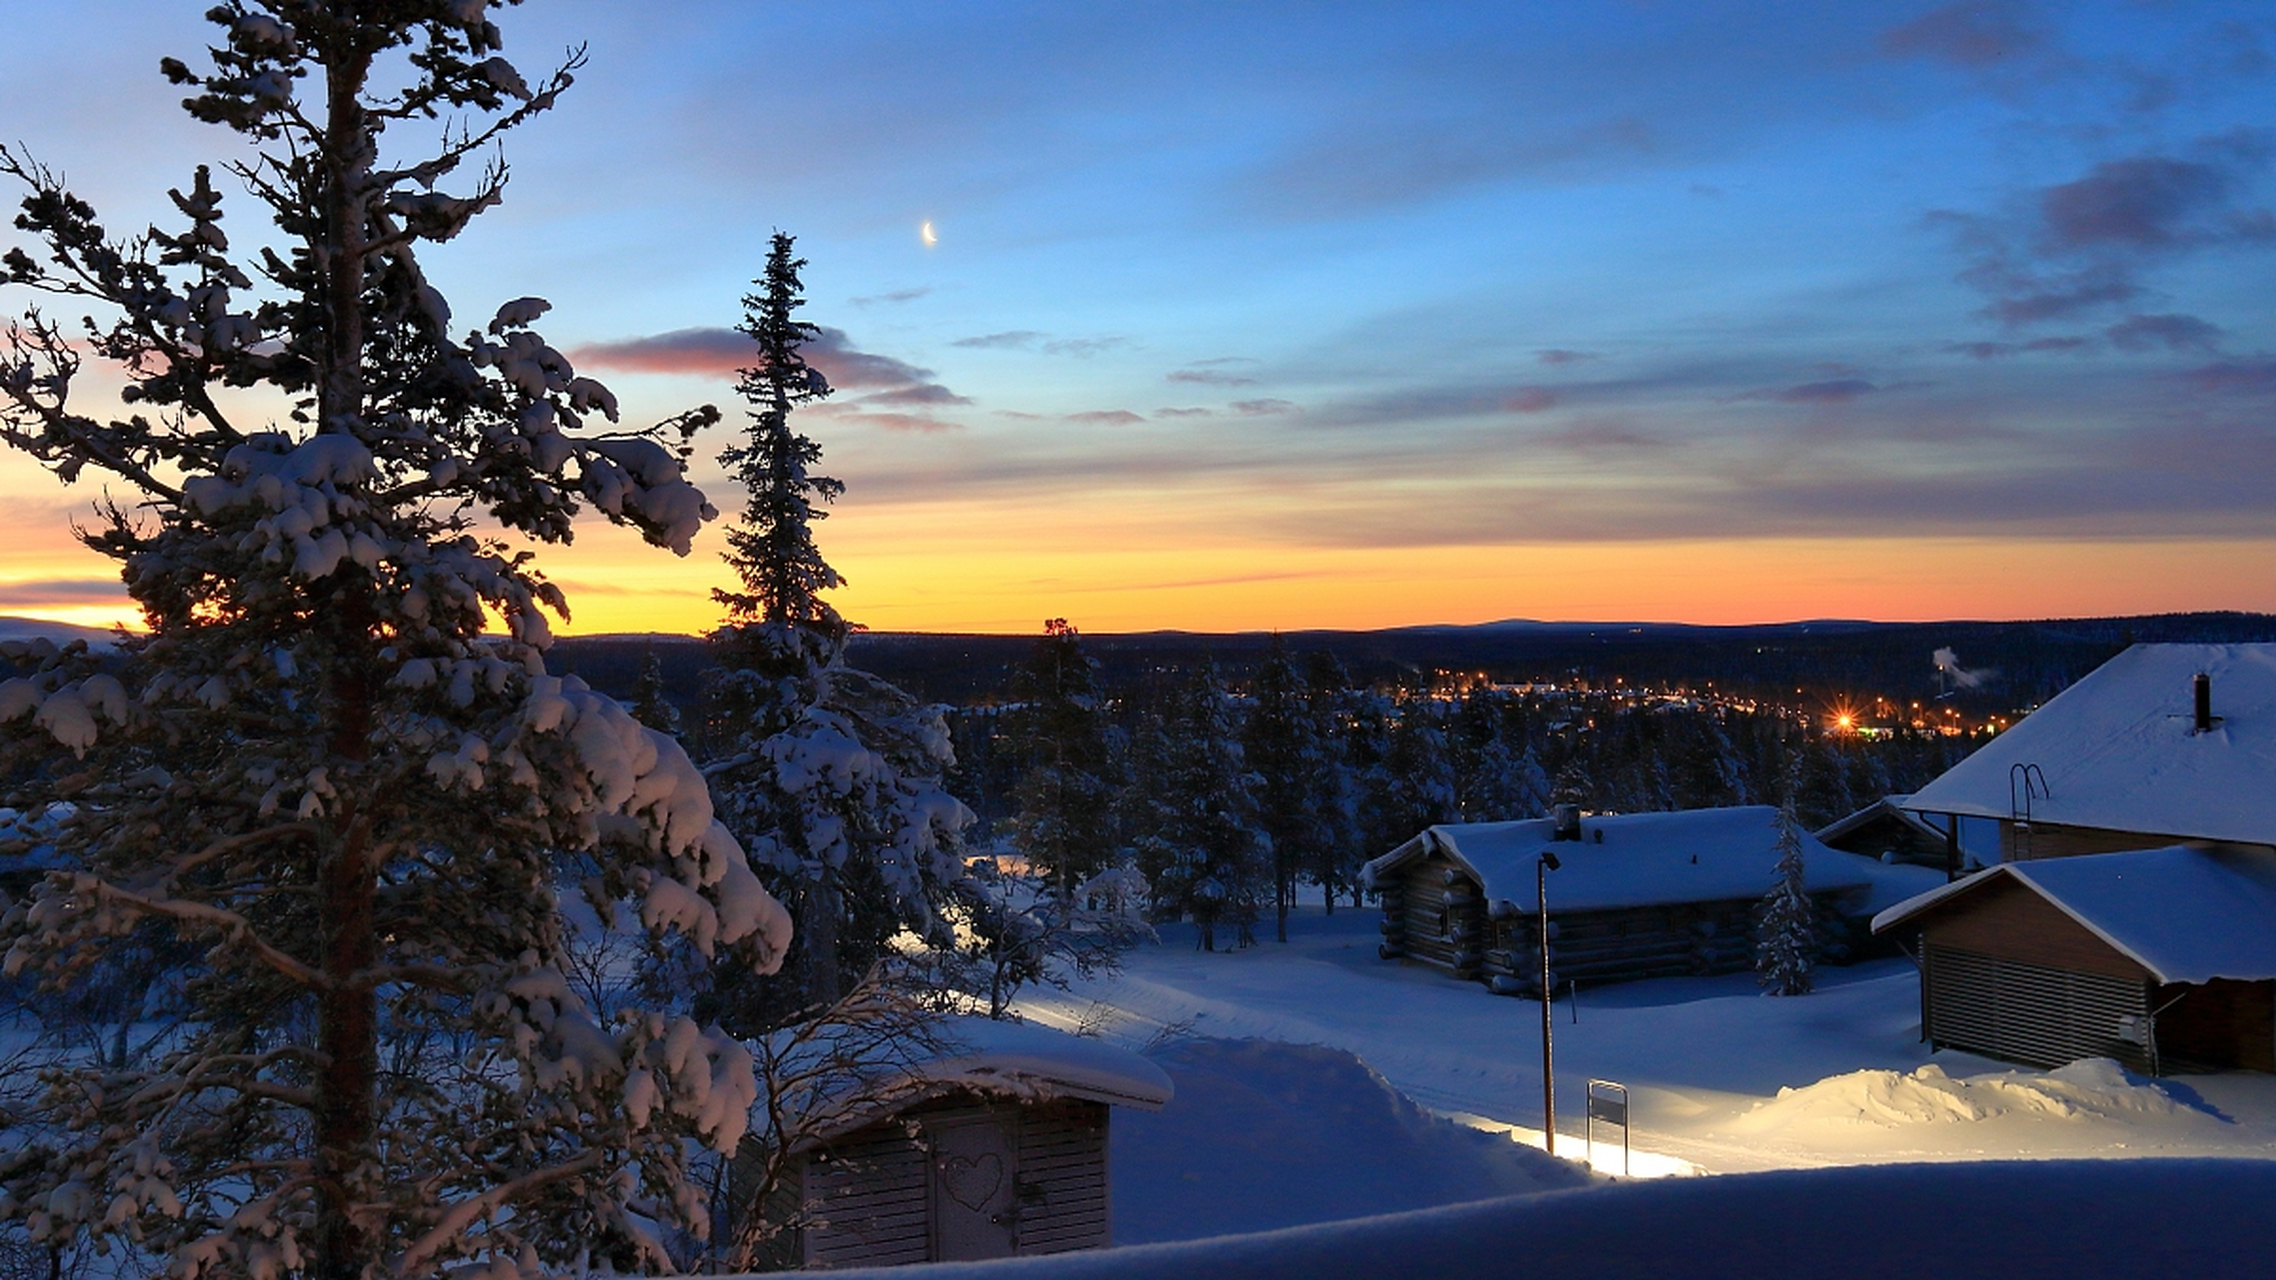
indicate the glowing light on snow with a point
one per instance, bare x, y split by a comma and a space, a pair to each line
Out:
1604, 1156
926, 231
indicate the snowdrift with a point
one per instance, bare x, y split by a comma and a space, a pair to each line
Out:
1263, 1134
2088, 1090
2076, 1220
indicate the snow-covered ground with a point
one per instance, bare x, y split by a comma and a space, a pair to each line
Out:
1707, 1059
2067, 1220
1264, 1134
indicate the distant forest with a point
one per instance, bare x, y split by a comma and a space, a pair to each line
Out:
1625, 717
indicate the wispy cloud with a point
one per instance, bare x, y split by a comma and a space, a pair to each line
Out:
920, 393
1106, 417
1263, 408
721, 352
2172, 332
1209, 378
895, 296
1561, 355
1009, 339
61, 591
1975, 33
2252, 377
2078, 248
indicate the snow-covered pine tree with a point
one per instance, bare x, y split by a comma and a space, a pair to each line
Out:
1786, 926
316, 768
1340, 854
1067, 785
1295, 793
651, 704
1412, 786
1202, 851
830, 774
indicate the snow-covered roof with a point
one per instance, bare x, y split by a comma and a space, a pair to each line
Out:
1642, 859
1019, 1060
1886, 807
2186, 915
2119, 750
1032, 1060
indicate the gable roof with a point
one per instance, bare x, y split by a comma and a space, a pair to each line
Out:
2119, 751
2186, 915
1887, 807
1644, 859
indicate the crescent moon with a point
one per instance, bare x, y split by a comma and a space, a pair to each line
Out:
926, 231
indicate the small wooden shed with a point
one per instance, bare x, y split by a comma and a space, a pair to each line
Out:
1639, 895
997, 1148
1887, 831
2164, 959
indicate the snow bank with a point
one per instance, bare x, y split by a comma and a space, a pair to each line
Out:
2092, 1089
1263, 1134
2076, 1220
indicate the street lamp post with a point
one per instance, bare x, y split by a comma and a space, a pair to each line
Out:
1541, 869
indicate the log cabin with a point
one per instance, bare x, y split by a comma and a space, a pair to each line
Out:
1639, 895
2164, 959
996, 1148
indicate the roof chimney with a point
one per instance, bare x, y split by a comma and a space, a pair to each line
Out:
2202, 686
1567, 818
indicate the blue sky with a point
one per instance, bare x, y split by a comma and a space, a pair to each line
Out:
1318, 314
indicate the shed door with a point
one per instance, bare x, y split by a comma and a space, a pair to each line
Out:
2033, 1014
974, 1167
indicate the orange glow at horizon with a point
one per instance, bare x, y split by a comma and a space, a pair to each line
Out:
1116, 566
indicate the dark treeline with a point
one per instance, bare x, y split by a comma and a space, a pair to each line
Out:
1809, 664
1228, 786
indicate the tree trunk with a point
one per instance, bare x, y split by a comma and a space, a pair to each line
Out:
819, 910
347, 1023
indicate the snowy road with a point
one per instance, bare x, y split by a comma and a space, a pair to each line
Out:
1705, 1058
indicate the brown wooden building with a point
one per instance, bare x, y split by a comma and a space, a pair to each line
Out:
2163, 959
1887, 831
1639, 895
2164, 744
994, 1151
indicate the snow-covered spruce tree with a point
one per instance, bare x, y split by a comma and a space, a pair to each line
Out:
1336, 861
316, 769
1786, 925
652, 705
1202, 849
1413, 785
1296, 788
1067, 784
831, 775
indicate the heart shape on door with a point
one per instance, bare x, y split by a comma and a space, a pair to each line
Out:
972, 1183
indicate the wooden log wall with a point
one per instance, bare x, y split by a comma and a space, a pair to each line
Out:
1434, 914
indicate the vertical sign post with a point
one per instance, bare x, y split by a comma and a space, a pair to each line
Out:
1541, 869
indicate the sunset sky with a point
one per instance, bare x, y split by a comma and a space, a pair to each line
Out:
1319, 315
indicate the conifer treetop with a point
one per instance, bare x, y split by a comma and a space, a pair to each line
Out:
771, 548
